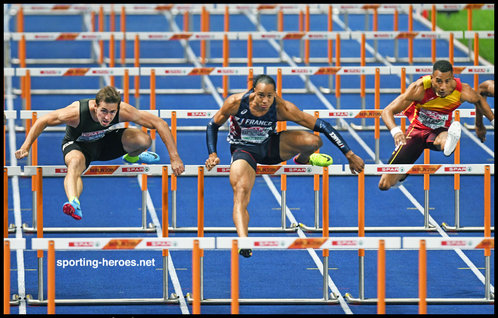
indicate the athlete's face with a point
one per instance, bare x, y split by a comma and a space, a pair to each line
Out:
443, 84
106, 112
264, 95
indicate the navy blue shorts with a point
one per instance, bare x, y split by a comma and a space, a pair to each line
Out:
267, 152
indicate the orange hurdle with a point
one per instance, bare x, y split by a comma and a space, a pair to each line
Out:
307, 41
123, 41
51, 278
137, 78
381, 278
422, 278
111, 57
196, 278
235, 277
101, 29
433, 41
6, 277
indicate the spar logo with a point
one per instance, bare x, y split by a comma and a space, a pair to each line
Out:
197, 114
227, 71
269, 36
266, 243
42, 36
297, 169
353, 70
346, 243
453, 243
339, 114
134, 169
60, 170
476, 69
390, 169
423, 69
160, 243
457, 169
301, 71
89, 36
101, 72
172, 71
82, 244
227, 169
382, 35
428, 35
156, 36
50, 72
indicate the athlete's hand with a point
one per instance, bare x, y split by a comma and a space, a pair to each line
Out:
21, 153
212, 161
399, 139
177, 166
356, 164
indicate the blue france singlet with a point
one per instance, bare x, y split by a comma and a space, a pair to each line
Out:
247, 129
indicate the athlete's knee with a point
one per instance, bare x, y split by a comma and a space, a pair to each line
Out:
137, 139
315, 141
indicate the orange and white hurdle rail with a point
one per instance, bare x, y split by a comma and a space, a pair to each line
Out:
199, 244
226, 37
279, 10
144, 171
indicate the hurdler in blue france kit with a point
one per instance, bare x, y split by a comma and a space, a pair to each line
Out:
254, 139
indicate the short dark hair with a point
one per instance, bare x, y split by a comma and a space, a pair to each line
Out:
109, 95
263, 79
443, 66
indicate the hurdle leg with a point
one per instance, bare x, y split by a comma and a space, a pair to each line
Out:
165, 275
144, 201
6, 277
235, 277
196, 282
51, 278
422, 278
325, 276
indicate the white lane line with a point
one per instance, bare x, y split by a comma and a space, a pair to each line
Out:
16, 200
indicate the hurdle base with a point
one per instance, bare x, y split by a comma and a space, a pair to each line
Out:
109, 301
11, 228
264, 301
371, 127
435, 301
371, 228
150, 229
447, 227
15, 301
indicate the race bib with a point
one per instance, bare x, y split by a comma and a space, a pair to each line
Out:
255, 135
431, 118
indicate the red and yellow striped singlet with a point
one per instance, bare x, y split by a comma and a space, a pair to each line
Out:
432, 111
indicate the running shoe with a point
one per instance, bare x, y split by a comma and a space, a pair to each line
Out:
73, 209
454, 133
246, 252
320, 159
148, 157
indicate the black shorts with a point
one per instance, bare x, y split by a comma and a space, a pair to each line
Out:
267, 152
416, 141
108, 148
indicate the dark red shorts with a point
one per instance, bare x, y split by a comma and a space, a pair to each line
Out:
416, 141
